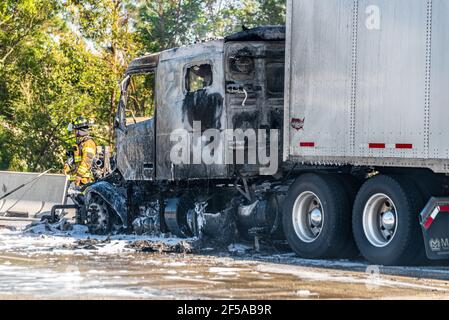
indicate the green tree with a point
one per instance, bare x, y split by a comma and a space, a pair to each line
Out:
249, 13
22, 20
106, 25
24, 25
64, 58
52, 85
165, 24
47, 80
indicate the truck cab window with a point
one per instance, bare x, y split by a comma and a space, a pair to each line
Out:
242, 64
198, 77
140, 98
275, 78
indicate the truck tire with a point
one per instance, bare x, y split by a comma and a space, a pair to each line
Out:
317, 217
101, 219
351, 186
386, 221
429, 185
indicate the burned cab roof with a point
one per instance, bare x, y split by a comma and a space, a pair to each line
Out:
149, 63
265, 33
146, 63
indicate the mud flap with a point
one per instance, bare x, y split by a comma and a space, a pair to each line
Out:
435, 225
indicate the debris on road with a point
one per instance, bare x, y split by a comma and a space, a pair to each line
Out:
164, 247
43, 227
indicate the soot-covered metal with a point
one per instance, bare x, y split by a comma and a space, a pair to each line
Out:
204, 107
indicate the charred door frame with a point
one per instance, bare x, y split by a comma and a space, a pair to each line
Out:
141, 66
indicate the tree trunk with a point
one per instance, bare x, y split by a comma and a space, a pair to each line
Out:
113, 111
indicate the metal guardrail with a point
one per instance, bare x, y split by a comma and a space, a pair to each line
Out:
35, 199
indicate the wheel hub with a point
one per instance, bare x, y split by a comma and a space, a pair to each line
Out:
308, 217
380, 220
389, 220
316, 217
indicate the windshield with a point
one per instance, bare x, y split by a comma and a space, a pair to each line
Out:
140, 98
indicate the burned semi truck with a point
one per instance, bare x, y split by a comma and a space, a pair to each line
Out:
234, 83
354, 95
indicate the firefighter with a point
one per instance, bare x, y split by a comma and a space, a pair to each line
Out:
81, 156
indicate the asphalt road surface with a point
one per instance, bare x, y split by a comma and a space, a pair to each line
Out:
73, 265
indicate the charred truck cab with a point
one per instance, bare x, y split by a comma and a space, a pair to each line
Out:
230, 84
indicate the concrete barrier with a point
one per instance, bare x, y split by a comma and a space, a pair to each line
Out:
34, 200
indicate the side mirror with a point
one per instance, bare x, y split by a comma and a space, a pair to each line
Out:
118, 126
116, 123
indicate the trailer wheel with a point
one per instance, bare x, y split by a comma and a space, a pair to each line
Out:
317, 217
385, 221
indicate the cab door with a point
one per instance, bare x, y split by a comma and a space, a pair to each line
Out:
135, 133
190, 88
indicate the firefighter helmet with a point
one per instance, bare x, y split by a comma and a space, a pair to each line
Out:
81, 123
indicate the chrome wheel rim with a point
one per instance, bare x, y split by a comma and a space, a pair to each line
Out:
380, 220
308, 217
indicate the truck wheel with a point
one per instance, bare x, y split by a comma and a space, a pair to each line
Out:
351, 186
317, 217
100, 218
386, 223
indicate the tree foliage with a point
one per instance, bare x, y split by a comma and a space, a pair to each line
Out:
64, 58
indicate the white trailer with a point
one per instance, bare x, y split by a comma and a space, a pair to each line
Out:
367, 87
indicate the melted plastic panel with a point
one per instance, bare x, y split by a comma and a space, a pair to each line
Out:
205, 107
199, 104
179, 107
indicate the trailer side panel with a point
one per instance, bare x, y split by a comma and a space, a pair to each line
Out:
391, 80
368, 83
319, 46
439, 81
